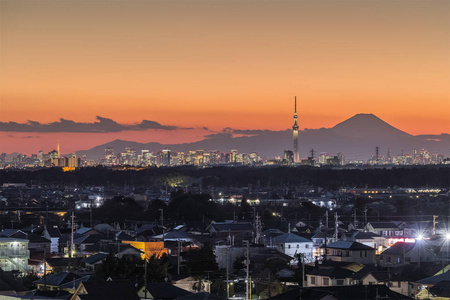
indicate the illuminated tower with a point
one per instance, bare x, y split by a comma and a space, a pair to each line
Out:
58, 151
295, 133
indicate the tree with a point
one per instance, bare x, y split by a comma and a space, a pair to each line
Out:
199, 261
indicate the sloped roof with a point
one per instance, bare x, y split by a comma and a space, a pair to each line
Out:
335, 272
75, 283
290, 238
352, 292
36, 238
349, 245
436, 279
104, 228
111, 290
11, 232
235, 226
91, 239
54, 232
441, 289
392, 225
174, 235
397, 248
202, 296
58, 279
166, 291
380, 275
94, 258
9, 282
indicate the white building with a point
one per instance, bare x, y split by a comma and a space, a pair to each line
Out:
14, 254
293, 245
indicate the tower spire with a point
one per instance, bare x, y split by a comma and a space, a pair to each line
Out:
295, 132
59, 155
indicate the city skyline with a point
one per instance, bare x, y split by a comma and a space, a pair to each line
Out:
184, 66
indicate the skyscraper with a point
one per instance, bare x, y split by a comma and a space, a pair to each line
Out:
295, 133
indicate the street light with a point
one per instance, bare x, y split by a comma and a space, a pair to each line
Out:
145, 272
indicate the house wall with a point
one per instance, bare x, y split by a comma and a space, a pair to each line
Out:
293, 249
356, 256
14, 254
326, 281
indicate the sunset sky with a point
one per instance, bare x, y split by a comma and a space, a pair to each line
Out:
216, 64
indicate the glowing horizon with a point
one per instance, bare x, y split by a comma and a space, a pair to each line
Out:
220, 64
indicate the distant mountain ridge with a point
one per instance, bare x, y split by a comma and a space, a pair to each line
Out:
356, 137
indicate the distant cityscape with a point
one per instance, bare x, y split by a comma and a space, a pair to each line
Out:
202, 158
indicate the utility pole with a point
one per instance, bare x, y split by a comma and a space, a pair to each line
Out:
228, 284
365, 218
71, 239
162, 222
258, 227
45, 269
326, 219
247, 264
178, 256
145, 276
354, 217
434, 224
336, 226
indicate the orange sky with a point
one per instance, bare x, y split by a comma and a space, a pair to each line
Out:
224, 63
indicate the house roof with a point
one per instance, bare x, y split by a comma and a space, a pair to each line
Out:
202, 296
104, 228
12, 233
57, 279
166, 291
379, 275
174, 235
235, 226
91, 239
441, 289
53, 232
349, 245
36, 238
95, 258
321, 235
436, 279
352, 292
75, 283
83, 230
335, 272
290, 238
381, 225
9, 282
397, 248
111, 290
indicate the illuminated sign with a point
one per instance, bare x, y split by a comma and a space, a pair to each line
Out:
392, 241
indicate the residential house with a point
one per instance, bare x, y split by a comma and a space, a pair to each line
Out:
353, 292
401, 253
294, 245
367, 238
324, 276
237, 231
14, 254
53, 235
53, 281
371, 275
37, 243
388, 229
349, 251
107, 290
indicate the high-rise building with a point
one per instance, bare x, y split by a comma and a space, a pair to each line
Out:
295, 133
